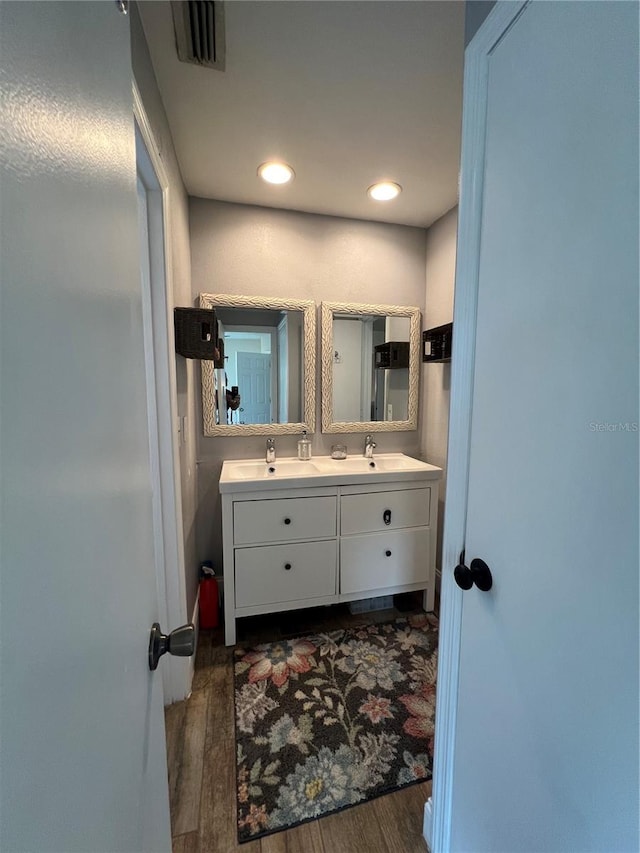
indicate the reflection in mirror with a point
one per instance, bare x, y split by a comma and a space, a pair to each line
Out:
370, 356
267, 383
370, 368
262, 378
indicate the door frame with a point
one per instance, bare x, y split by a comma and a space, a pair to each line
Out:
177, 673
438, 810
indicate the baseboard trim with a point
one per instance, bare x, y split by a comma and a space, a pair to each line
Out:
428, 822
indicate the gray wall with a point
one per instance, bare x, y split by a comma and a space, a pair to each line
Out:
265, 252
181, 261
475, 11
440, 272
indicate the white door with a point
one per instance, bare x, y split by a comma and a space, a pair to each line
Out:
82, 730
546, 736
254, 382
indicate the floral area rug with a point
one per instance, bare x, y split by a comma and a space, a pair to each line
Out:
331, 720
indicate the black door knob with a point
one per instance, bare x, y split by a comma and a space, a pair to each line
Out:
388, 553
287, 521
462, 576
477, 573
180, 642
287, 566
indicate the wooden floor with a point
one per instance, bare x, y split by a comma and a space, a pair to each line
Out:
201, 757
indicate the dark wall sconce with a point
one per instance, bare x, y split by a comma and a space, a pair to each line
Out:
436, 343
196, 335
392, 355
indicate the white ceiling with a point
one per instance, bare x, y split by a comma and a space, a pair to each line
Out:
348, 93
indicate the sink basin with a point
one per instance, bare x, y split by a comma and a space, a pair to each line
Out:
255, 474
281, 468
338, 466
397, 462
388, 462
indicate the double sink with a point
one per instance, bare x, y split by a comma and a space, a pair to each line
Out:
245, 474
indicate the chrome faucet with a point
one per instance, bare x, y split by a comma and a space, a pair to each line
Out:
271, 451
369, 447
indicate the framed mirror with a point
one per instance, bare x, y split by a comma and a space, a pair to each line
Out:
370, 367
268, 383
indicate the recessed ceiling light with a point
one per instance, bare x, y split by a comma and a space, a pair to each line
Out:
384, 191
276, 173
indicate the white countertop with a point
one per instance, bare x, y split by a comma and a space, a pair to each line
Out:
244, 475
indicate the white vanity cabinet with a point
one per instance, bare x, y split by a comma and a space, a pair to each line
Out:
326, 538
284, 551
386, 539
310, 515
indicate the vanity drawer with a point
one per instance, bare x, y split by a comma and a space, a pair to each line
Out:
366, 513
262, 576
280, 520
382, 560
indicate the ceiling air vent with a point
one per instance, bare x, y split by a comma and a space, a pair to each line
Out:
199, 27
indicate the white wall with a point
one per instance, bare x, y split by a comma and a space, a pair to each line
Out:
397, 394
261, 251
181, 259
347, 371
440, 279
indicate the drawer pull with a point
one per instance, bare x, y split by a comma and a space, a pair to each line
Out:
388, 553
386, 516
287, 521
287, 566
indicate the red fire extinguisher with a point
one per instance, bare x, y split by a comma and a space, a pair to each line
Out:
209, 598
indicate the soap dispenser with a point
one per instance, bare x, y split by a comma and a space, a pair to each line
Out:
304, 447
